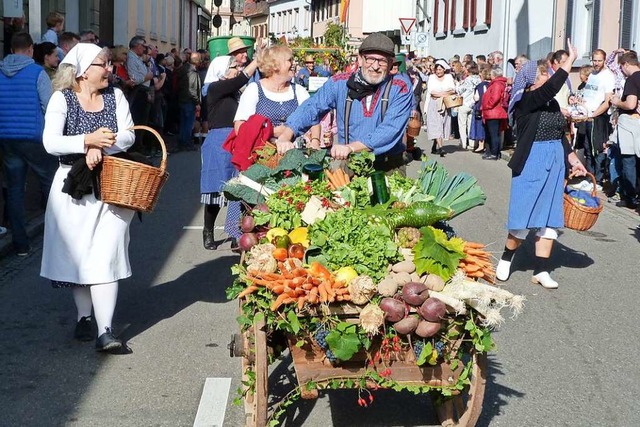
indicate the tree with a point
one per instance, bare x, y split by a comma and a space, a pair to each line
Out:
334, 35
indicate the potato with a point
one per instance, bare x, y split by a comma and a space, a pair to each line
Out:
415, 277
433, 282
402, 278
387, 287
404, 267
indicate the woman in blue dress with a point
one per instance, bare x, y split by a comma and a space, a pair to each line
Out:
476, 132
223, 93
539, 166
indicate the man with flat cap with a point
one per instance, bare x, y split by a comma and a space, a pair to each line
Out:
372, 108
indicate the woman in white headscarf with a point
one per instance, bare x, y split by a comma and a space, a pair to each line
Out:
223, 81
439, 85
86, 241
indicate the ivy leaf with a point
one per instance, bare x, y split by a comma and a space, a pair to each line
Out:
436, 254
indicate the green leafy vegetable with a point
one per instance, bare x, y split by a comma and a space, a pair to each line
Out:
357, 193
361, 163
348, 238
460, 192
436, 254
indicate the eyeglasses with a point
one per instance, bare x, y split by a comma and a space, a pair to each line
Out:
370, 60
101, 65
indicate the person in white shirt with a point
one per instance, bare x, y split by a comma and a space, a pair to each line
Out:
596, 96
439, 85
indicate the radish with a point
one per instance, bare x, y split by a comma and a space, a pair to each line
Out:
247, 241
247, 224
261, 207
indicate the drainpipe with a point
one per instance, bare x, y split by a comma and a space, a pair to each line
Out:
505, 29
180, 24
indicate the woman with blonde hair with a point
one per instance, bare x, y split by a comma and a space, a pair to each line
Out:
275, 96
86, 242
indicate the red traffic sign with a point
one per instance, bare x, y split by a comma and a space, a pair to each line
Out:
407, 24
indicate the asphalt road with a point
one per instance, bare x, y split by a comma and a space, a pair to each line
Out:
568, 360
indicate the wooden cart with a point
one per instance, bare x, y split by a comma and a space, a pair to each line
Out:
310, 364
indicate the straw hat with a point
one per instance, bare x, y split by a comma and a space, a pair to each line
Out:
309, 58
235, 44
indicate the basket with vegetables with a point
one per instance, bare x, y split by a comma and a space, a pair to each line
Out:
366, 296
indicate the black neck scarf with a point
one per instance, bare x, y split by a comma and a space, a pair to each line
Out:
358, 86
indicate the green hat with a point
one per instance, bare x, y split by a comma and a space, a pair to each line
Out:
401, 61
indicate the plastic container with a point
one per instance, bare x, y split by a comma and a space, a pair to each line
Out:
218, 45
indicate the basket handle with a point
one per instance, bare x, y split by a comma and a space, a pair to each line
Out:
163, 162
593, 181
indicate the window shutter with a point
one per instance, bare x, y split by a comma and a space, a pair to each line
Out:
453, 14
626, 24
488, 10
474, 13
595, 29
436, 16
446, 16
465, 15
568, 24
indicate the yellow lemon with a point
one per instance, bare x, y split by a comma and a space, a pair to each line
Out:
275, 232
346, 275
300, 235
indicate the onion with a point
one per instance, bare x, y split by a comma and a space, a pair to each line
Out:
247, 241
414, 293
247, 224
432, 310
394, 310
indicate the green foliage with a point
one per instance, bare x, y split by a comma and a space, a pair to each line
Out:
435, 254
344, 340
357, 193
287, 204
334, 36
361, 163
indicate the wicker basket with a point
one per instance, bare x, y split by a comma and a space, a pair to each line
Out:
452, 101
413, 127
130, 184
579, 217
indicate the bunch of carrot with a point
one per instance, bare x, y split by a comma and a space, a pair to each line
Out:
337, 179
297, 285
477, 262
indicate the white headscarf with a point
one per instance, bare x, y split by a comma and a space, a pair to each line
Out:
81, 56
217, 69
444, 64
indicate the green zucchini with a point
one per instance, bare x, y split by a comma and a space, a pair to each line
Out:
418, 214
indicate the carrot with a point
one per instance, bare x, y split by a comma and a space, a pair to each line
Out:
345, 297
279, 301
477, 252
342, 291
474, 245
301, 303
278, 289
257, 281
344, 177
340, 176
313, 296
300, 272
332, 178
322, 291
307, 286
297, 281
476, 274
471, 268
249, 290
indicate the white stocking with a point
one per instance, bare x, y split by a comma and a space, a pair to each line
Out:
104, 298
82, 298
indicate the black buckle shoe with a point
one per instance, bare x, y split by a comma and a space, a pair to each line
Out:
84, 329
108, 343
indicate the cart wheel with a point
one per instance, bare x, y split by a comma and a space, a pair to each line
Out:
464, 410
255, 357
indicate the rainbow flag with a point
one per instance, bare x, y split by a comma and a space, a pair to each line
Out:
344, 9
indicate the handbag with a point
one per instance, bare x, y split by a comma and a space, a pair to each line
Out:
452, 101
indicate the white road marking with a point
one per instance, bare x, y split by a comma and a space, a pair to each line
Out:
199, 227
213, 403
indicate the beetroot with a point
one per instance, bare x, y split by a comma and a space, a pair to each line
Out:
247, 241
261, 207
394, 310
247, 224
427, 329
415, 293
432, 310
406, 325
261, 235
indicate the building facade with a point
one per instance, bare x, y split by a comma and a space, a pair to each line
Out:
289, 19
257, 14
165, 23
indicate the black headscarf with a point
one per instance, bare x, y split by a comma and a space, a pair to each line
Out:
358, 86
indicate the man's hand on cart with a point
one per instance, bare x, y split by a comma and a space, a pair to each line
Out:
341, 151
284, 146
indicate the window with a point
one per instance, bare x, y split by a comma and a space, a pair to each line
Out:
459, 16
568, 23
441, 18
595, 28
163, 24
626, 24
153, 31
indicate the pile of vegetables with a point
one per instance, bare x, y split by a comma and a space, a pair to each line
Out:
415, 284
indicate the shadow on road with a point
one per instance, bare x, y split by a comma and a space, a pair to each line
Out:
561, 256
205, 282
496, 395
